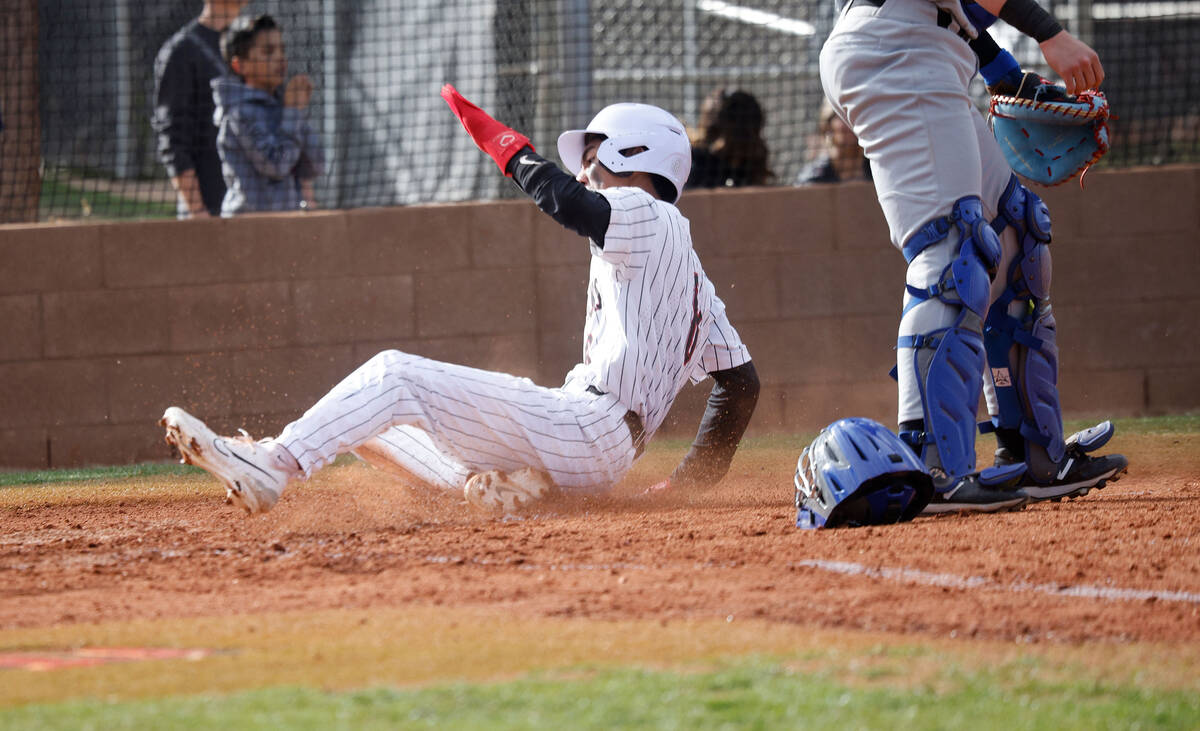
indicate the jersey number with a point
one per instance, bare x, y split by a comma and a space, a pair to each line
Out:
694, 328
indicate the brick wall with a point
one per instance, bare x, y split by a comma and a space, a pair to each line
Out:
246, 322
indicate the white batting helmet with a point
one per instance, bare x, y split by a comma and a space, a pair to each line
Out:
627, 126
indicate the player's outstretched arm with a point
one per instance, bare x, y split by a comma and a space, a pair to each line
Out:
1072, 59
730, 406
554, 191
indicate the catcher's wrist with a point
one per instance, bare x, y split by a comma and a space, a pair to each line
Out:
1031, 19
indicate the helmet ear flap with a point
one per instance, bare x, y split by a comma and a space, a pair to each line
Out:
857, 472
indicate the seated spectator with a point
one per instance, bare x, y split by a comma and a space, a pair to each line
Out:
729, 149
269, 152
841, 158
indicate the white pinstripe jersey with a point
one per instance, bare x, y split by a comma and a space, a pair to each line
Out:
654, 320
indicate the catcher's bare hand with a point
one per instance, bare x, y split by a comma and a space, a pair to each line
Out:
954, 7
1074, 61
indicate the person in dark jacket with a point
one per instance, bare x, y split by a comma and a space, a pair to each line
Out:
183, 108
269, 152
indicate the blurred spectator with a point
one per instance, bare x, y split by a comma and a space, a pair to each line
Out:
269, 152
183, 108
728, 149
841, 159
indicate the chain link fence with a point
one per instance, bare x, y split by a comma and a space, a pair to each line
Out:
78, 90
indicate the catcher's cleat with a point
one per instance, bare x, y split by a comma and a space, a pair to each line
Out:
1078, 473
506, 493
253, 478
970, 495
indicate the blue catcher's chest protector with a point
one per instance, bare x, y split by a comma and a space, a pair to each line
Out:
949, 361
1021, 340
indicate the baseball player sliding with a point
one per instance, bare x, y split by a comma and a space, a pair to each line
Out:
976, 241
654, 322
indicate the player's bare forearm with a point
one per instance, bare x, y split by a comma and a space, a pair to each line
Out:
1072, 59
730, 406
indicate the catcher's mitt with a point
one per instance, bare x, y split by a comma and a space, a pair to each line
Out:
1046, 135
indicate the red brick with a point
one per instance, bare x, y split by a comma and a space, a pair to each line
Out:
769, 416
858, 222
501, 233
821, 350
104, 322
107, 444
22, 318
841, 284
1141, 201
686, 412
562, 296
558, 352
1102, 394
48, 258
400, 240
811, 407
1066, 204
1173, 390
40, 393
161, 253
230, 316
762, 220
475, 303
351, 309
513, 354
1106, 336
24, 449
286, 379
554, 244
141, 388
748, 285
207, 251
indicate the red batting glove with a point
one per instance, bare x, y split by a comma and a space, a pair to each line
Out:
492, 137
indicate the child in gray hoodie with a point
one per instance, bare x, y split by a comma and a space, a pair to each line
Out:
269, 152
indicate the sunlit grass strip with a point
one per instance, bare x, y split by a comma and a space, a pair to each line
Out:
748, 694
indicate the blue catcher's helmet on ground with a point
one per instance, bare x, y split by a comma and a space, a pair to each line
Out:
856, 472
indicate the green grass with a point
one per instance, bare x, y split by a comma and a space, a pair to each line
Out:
749, 694
62, 200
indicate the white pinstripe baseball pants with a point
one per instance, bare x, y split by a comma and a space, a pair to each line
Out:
452, 420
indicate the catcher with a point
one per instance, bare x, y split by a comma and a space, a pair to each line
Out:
977, 291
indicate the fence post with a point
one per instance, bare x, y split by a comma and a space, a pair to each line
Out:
21, 137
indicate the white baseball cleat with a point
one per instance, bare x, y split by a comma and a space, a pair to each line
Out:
253, 479
505, 493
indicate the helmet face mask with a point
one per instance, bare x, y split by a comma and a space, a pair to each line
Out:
629, 126
856, 472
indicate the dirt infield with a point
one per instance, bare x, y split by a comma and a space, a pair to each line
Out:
1122, 564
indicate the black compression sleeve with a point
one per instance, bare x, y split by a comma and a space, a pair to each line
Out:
1031, 19
985, 47
560, 195
730, 406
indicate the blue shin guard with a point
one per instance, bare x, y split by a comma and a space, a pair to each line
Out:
949, 361
1022, 348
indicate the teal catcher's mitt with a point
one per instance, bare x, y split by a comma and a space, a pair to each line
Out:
1048, 136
